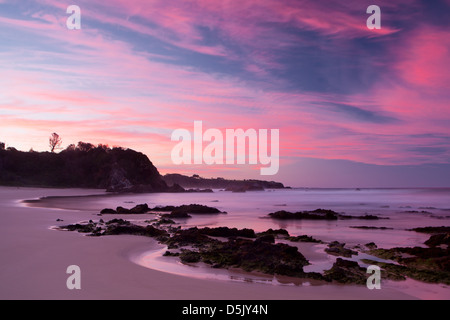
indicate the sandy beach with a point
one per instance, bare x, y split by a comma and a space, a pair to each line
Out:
34, 260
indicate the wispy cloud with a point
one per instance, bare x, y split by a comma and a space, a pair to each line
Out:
140, 69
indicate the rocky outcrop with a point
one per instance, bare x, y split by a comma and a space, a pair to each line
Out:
197, 182
304, 238
424, 264
251, 255
319, 214
348, 272
338, 249
185, 211
432, 230
175, 212
438, 240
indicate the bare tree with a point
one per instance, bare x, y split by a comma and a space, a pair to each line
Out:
54, 142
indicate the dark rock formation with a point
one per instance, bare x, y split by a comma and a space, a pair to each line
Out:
349, 272
121, 210
140, 209
81, 228
432, 230
423, 264
177, 215
304, 238
256, 255
365, 217
279, 232
318, 214
371, 228
269, 238
438, 240
338, 249
189, 237
371, 245
108, 211
228, 232
184, 211
188, 256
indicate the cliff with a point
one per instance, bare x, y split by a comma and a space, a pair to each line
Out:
84, 166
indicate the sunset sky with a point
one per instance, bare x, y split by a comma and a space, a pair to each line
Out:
355, 107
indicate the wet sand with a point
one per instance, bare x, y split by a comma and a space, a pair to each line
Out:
34, 260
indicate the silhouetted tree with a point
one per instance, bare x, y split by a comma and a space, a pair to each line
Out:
2, 146
54, 142
71, 147
104, 147
85, 146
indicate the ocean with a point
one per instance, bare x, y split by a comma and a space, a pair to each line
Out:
404, 208
400, 209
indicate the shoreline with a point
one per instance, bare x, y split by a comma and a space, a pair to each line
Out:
113, 275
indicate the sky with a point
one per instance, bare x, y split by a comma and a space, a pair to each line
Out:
355, 107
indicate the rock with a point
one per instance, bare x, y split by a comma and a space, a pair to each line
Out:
140, 209
369, 217
165, 221
256, 256
171, 254
338, 249
121, 210
130, 229
184, 210
401, 272
269, 238
371, 228
177, 215
438, 239
118, 221
87, 228
189, 237
432, 230
304, 238
278, 232
163, 209
188, 256
108, 211
196, 209
423, 264
371, 245
365, 217
345, 271
176, 188
228, 232
319, 214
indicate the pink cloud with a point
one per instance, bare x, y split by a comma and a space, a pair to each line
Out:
423, 58
125, 97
